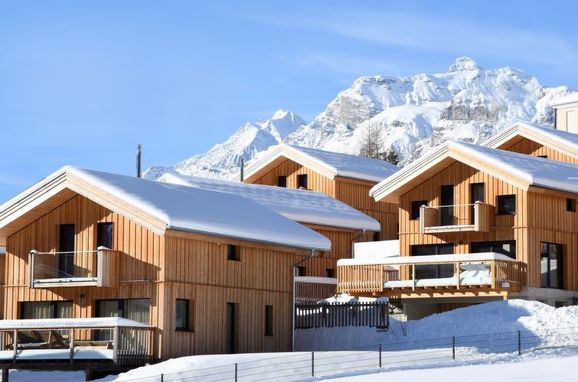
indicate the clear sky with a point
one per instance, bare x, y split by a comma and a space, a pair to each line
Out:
82, 82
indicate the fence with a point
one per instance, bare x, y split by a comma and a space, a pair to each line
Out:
328, 315
439, 352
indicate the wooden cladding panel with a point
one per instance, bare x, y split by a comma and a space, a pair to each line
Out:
529, 147
290, 169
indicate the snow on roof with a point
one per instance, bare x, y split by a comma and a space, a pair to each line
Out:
190, 209
100, 322
335, 164
545, 135
570, 98
522, 170
299, 205
461, 257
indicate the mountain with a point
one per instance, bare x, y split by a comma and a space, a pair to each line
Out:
414, 113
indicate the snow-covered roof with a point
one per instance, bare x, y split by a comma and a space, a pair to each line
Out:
517, 169
300, 205
460, 257
59, 323
160, 206
559, 140
570, 98
328, 163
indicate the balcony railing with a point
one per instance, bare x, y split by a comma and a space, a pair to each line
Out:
489, 273
70, 269
476, 217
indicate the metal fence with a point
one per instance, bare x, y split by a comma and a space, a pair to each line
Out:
440, 352
328, 315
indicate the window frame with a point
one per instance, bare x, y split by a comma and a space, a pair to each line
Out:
559, 265
187, 319
493, 244
53, 306
501, 199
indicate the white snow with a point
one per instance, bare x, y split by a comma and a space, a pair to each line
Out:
372, 250
300, 205
458, 257
63, 323
563, 137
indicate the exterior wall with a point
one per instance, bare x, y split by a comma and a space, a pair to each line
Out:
528, 147
561, 123
503, 227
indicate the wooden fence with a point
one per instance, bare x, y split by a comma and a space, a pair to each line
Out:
328, 315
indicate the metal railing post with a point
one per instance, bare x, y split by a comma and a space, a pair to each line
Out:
519, 342
380, 355
453, 347
313, 364
162, 377
236, 371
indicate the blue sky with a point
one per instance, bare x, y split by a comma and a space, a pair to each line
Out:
82, 82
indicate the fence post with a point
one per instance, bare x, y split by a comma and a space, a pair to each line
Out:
453, 347
162, 377
380, 356
313, 364
519, 342
236, 371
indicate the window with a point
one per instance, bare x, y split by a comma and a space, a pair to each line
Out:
302, 181
447, 205
45, 309
433, 271
66, 244
507, 248
282, 181
300, 270
104, 235
233, 253
330, 272
543, 156
571, 122
182, 315
506, 204
268, 320
133, 309
415, 208
551, 265
571, 205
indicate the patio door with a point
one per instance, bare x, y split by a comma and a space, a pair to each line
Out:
447, 205
66, 244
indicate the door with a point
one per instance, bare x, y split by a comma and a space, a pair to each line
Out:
477, 194
232, 327
447, 205
66, 249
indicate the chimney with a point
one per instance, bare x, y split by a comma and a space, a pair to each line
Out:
138, 161
242, 174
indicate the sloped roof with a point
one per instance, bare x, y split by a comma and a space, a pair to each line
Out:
559, 140
162, 206
328, 163
570, 98
300, 205
517, 169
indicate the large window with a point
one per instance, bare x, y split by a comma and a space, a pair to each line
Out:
133, 309
551, 265
507, 248
506, 204
182, 314
66, 247
45, 309
415, 208
104, 235
433, 271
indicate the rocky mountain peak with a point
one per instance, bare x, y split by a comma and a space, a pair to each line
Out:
464, 63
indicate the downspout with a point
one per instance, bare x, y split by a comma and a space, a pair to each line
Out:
293, 311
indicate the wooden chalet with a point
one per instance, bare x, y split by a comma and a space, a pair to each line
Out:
206, 271
345, 177
476, 223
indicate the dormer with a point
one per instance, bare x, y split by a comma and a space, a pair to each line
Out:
566, 109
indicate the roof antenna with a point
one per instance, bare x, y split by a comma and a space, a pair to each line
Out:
138, 161
242, 174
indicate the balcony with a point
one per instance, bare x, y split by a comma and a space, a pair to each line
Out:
476, 274
73, 269
476, 217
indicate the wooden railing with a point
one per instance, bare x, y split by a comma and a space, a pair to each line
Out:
78, 268
475, 217
389, 276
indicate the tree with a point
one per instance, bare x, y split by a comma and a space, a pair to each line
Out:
372, 147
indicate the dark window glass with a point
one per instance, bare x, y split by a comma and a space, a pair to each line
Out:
233, 252
66, 247
477, 194
268, 320
104, 235
45, 309
133, 309
415, 207
281, 181
300, 270
447, 205
433, 271
507, 248
330, 272
506, 204
551, 265
571, 205
543, 156
182, 319
302, 181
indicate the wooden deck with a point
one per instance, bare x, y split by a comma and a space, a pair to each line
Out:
487, 274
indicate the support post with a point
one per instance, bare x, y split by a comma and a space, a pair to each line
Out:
71, 345
236, 372
380, 355
453, 347
313, 364
519, 342
15, 344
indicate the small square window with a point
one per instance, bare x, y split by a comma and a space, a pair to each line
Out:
330, 272
182, 317
268, 320
282, 181
300, 270
233, 253
302, 181
415, 208
506, 204
571, 205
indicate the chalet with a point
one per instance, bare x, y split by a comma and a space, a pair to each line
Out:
205, 271
476, 223
345, 177
565, 111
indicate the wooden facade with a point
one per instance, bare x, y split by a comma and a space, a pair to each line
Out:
350, 191
163, 268
530, 147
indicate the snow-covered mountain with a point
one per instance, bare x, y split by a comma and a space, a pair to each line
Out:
414, 114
